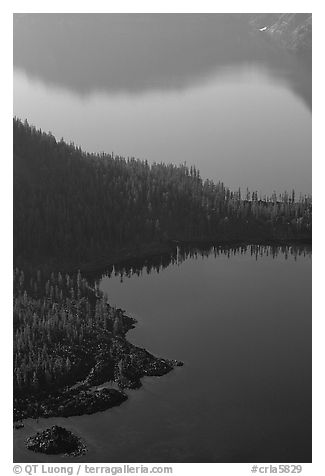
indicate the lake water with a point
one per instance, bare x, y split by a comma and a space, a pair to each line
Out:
204, 89
240, 320
207, 90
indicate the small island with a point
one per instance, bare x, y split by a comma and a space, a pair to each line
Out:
56, 440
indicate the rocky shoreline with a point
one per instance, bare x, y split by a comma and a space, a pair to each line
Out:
117, 363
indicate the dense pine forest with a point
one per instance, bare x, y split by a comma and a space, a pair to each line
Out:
74, 206
68, 339
52, 317
71, 207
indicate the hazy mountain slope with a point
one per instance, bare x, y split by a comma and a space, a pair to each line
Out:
292, 30
73, 206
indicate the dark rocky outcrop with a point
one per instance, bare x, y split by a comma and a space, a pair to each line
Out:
56, 440
18, 425
133, 363
80, 402
114, 361
69, 402
128, 366
84, 351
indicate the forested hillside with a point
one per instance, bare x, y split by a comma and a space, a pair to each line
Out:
74, 205
67, 339
70, 207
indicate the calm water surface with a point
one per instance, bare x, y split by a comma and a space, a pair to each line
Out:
207, 90
242, 325
204, 89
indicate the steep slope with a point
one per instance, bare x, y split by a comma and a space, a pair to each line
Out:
292, 30
73, 206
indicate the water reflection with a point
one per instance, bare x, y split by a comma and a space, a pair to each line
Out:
241, 323
158, 263
169, 88
137, 53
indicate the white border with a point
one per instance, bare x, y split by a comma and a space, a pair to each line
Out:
318, 184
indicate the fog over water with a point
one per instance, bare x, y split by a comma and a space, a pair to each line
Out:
210, 90
205, 89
